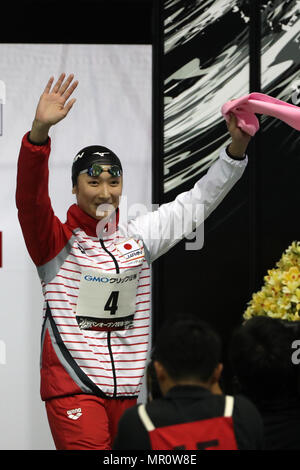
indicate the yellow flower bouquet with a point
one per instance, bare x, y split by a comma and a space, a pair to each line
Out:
280, 294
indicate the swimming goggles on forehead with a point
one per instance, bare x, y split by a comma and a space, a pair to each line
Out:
96, 170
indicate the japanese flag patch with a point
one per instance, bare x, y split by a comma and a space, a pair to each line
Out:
129, 250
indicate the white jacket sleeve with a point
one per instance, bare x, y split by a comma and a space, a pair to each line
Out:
162, 229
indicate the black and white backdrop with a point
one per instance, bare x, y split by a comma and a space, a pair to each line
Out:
204, 53
211, 52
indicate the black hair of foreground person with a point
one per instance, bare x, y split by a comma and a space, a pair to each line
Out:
196, 349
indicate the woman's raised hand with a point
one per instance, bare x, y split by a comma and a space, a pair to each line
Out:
53, 106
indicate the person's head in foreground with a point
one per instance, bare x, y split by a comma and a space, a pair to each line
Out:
97, 181
187, 352
261, 355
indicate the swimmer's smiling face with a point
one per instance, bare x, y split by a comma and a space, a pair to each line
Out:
93, 192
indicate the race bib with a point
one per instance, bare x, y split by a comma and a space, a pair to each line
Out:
106, 301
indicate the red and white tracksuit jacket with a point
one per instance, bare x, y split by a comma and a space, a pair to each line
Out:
105, 359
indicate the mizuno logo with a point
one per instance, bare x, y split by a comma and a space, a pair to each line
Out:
101, 153
74, 414
80, 155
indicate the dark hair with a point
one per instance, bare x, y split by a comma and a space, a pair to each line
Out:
260, 353
188, 348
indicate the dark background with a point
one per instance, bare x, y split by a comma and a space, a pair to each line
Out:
256, 222
81, 22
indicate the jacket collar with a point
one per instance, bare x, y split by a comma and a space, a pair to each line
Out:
188, 391
77, 218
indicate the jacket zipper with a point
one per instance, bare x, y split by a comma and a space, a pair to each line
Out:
109, 332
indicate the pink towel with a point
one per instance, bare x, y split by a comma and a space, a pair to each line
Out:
245, 107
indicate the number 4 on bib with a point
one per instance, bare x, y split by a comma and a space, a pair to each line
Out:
112, 303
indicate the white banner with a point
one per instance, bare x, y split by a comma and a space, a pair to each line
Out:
113, 109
